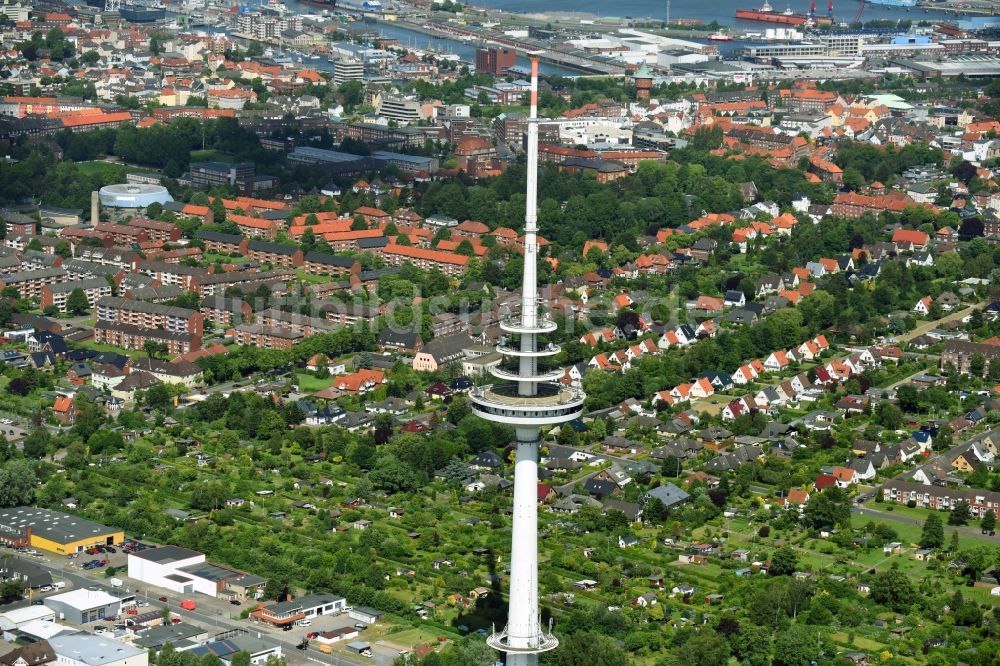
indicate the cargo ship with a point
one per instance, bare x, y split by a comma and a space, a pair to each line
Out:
766, 14
893, 3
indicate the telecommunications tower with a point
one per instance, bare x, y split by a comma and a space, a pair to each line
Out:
529, 398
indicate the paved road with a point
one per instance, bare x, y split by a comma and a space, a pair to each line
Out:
931, 325
203, 615
968, 531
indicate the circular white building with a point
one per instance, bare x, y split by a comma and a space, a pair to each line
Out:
133, 196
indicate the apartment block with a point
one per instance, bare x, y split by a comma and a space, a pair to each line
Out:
149, 315
57, 294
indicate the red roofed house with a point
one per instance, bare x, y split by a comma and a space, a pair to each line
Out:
798, 497
824, 481
917, 239
844, 476
64, 410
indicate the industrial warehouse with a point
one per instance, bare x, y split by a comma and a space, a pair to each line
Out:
54, 531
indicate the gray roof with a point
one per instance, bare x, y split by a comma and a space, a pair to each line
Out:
669, 494
154, 637
166, 554
55, 525
92, 650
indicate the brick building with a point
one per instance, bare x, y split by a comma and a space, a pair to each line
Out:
128, 336
58, 293
448, 263
274, 254
149, 315
219, 243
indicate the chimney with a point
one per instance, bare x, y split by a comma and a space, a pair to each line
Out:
95, 209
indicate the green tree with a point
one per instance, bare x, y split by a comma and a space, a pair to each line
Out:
158, 397
977, 365
12, 590
960, 514
353, 93
932, 535
37, 443
827, 509
17, 484
77, 303
783, 562
908, 398
752, 645
977, 560
796, 646
588, 648
892, 588
208, 495
889, 415
704, 650
989, 522
154, 349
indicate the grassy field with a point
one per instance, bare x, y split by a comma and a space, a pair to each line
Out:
212, 257
101, 168
210, 156
909, 533
312, 383
313, 279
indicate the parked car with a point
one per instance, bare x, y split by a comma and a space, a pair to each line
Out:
175, 620
163, 599
304, 645
235, 602
303, 623
360, 627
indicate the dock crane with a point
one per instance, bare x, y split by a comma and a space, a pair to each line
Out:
861, 10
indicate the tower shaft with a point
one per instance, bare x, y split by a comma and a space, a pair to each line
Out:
528, 400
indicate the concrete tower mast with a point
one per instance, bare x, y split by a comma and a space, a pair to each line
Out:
527, 398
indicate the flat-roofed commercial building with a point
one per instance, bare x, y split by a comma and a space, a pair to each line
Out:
89, 650
186, 571
54, 531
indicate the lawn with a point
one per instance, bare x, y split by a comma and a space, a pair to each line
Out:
313, 279
109, 170
212, 257
414, 636
210, 156
909, 533
860, 642
312, 383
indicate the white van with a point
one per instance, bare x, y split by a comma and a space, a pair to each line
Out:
59, 584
